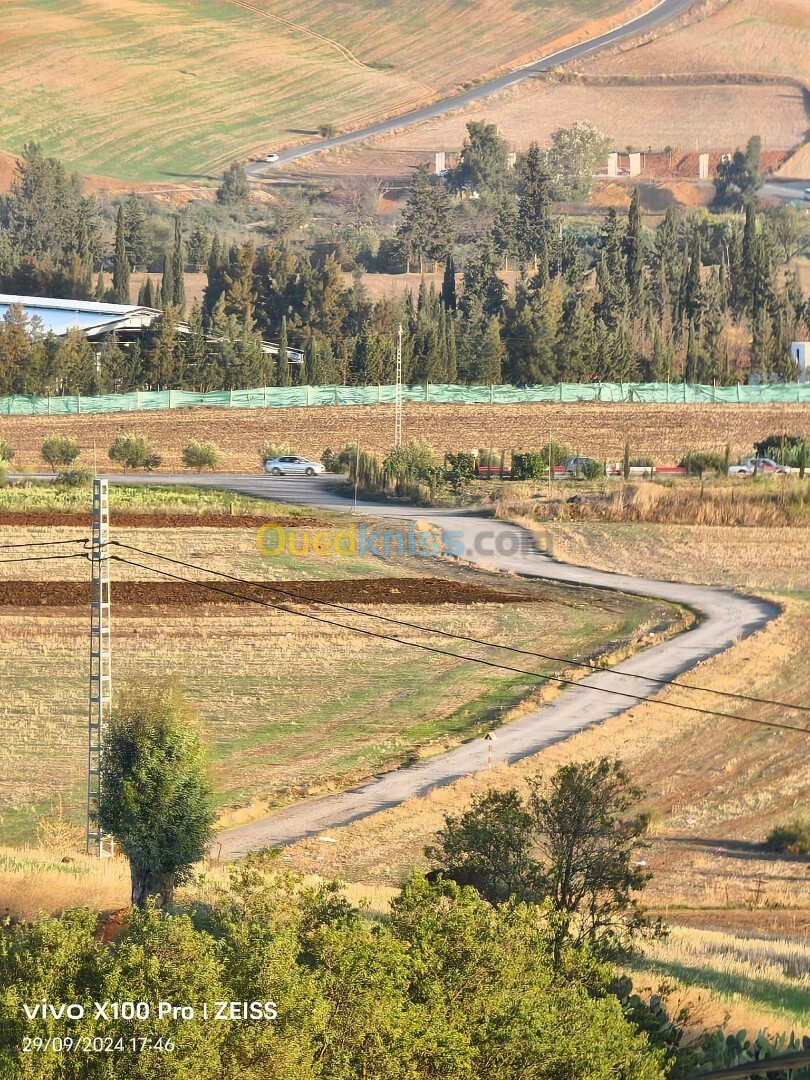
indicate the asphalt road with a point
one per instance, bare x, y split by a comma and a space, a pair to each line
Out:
725, 617
661, 13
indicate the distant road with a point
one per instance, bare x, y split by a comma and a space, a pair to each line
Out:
786, 190
662, 12
726, 617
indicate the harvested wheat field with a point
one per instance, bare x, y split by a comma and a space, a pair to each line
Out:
635, 115
229, 78
769, 37
290, 704
665, 432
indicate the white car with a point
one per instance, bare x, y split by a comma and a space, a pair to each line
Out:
293, 466
271, 157
761, 466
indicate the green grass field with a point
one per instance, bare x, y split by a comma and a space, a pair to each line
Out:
164, 90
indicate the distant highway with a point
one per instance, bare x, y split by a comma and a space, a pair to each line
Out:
662, 13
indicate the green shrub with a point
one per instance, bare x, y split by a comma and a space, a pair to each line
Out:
133, 452
6, 451
201, 455
559, 453
59, 450
786, 449
461, 468
591, 469
341, 461
528, 466
792, 838
74, 477
268, 451
697, 462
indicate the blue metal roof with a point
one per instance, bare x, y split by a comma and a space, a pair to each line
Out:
58, 316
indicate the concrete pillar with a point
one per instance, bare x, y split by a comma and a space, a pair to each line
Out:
613, 165
635, 164
703, 167
511, 160
440, 162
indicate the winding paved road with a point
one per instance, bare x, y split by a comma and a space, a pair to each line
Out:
725, 617
661, 13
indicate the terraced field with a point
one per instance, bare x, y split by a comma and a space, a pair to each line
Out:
153, 90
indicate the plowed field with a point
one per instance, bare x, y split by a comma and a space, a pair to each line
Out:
428, 591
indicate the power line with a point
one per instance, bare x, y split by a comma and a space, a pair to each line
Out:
44, 543
455, 656
465, 637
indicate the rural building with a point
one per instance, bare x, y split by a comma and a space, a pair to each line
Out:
800, 351
97, 321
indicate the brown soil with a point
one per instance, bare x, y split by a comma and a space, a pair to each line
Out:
783, 922
428, 591
664, 432
157, 520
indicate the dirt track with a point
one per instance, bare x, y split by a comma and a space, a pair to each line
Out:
427, 591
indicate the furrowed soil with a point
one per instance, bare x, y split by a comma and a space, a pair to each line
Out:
665, 432
145, 520
151, 594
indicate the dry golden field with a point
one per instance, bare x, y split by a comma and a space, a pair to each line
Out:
638, 116
665, 432
288, 707
155, 90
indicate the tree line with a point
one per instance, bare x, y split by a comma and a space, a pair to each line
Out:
701, 297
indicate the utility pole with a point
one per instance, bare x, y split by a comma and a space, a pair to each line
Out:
100, 697
398, 392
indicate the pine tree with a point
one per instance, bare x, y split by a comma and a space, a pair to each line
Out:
121, 264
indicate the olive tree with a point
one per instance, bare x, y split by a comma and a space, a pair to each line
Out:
569, 845
59, 450
156, 800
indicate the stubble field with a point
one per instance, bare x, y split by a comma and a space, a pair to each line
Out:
665, 432
288, 706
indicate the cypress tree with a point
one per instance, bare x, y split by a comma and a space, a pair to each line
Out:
282, 360
534, 214
448, 293
101, 285
178, 268
167, 282
634, 251
137, 245
121, 264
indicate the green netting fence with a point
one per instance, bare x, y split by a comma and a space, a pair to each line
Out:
438, 393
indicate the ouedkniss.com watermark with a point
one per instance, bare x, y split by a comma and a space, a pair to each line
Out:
364, 540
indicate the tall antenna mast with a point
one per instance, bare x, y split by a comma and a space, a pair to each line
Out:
398, 392
100, 698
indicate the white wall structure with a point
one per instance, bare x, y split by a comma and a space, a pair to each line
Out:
703, 167
613, 165
511, 160
800, 351
440, 162
635, 164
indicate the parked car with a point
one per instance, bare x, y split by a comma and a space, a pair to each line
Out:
583, 467
762, 466
271, 157
293, 466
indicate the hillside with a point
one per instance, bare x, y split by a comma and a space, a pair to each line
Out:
226, 79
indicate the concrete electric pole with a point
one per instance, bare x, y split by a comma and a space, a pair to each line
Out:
100, 698
398, 392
